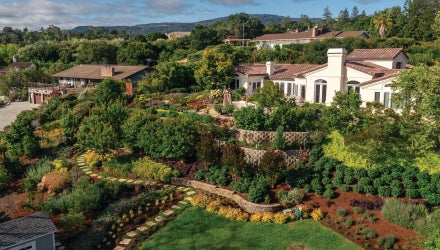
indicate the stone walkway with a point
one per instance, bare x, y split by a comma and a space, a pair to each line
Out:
160, 219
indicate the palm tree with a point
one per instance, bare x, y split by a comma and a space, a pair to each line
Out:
382, 21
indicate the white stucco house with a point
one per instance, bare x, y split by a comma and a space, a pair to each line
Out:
367, 71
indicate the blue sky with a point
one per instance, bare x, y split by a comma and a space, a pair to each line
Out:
67, 14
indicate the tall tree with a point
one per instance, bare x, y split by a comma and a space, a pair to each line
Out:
216, 70
420, 16
382, 22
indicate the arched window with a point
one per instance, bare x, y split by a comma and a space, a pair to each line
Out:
320, 91
353, 86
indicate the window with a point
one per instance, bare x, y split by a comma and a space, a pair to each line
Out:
234, 84
377, 96
289, 88
255, 85
282, 87
353, 86
320, 91
386, 99
398, 65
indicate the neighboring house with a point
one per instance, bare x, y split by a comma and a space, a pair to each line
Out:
280, 39
17, 66
39, 92
32, 232
90, 75
177, 34
233, 40
369, 72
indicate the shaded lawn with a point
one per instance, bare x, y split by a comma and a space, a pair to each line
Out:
198, 229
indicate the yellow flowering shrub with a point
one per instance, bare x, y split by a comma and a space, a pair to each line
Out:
267, 217
280, 218
317, 214
256, 217
60, 165
213, 206
148, 169
200, 200
92, 158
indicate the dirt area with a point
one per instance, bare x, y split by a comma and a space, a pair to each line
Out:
10, 203
405, 238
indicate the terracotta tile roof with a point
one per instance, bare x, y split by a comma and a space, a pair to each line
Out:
21, 65
308, 35
5, 70
94, 72
289, 71
375, 54
387, 74
26, 228
366, 67
252, 70
282, 71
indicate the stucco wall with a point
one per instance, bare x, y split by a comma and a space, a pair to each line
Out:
244, 204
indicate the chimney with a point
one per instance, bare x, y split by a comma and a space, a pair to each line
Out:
14, 59
297, 31
270, 68
107, 71
336, 63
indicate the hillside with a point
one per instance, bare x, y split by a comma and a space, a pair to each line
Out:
175, 26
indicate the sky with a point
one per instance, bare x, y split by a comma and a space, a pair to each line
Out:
67, 14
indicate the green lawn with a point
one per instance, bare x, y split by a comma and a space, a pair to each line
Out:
198, 229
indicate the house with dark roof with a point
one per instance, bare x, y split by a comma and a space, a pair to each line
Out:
90, 75
279, 39
17, 66
369, 72
32, 232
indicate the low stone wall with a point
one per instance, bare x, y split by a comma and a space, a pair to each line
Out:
244, 204
253, 156
265, 137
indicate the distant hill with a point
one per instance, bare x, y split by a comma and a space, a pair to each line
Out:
170, 27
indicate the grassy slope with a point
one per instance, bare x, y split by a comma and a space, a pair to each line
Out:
197, 229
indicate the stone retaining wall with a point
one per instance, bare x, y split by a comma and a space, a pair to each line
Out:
265, 137
253, 156
244, 204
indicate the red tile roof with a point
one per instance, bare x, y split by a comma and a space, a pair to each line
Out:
374, 54
282, 71
94, 72
21, 65
387, 75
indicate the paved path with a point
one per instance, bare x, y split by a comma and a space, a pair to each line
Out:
9, 113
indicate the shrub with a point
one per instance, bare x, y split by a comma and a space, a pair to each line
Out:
4, 177
229, 108
272, 163
293, 197
412, 193
35, 173
256, 217
317, 214
92, 158
72, 222
280, 218
218, 108
242, 186
213, 206
358, 210
433, 199
218, 175
389, 241
384, 191
200, 200
345, 187
341, 212
148, 169
329, 194
258, 189
316, 186
206, 149
403, 214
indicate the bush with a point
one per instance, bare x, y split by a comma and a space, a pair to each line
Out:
389, 241
358, 210
293, 197
218, 175
384, 191
218, 108
229, 108
433, 199
72, 222
403, 214
317, 214
341, 212
35, 173
412, 193
148, 169
258, 190
4, 178
242, 186
329, 194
